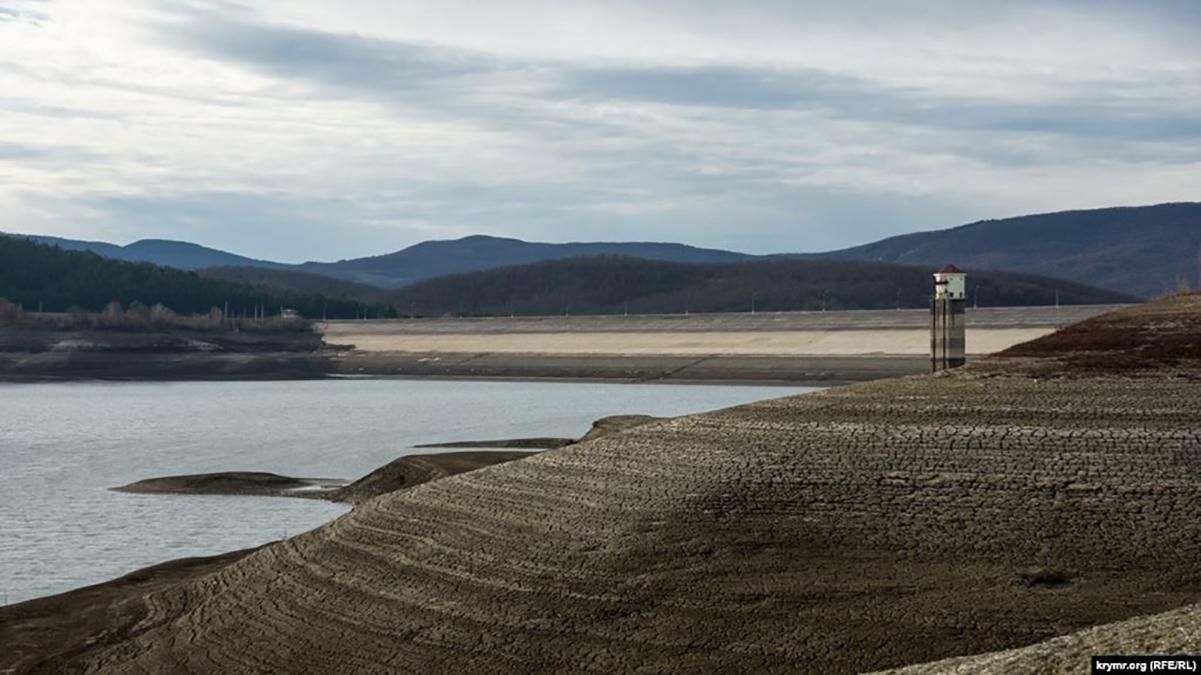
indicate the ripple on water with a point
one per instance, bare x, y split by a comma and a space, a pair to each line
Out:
63, 445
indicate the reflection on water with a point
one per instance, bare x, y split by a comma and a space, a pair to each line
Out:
63, 445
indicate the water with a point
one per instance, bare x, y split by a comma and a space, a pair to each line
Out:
63, 445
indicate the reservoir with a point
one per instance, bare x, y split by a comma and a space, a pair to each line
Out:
63, 445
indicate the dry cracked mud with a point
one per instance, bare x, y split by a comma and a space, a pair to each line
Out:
864, 527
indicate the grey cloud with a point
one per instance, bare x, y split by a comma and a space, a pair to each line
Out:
1095, 108
14, 151
55, 154
13, 14
716, 86
30, 107
717, 155
449, 80
340, 60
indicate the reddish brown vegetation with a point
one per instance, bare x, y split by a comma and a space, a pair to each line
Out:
1157, 334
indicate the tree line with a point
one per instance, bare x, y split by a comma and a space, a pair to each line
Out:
39, 277
616, 285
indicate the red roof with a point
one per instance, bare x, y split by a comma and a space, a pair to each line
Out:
950, 269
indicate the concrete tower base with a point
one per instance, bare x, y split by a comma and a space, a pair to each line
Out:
948, 334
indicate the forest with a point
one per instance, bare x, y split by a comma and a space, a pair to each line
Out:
39, 277
615, 284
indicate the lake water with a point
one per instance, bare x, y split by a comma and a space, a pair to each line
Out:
63, 445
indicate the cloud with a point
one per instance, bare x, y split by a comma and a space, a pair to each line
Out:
13, 14
50, 154
383, 67
322, 130
1092, 109
443, 79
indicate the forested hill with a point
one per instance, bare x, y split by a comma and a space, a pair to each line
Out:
1145, 250
299, 282
432, 259
169, 253
610, 285
39, 275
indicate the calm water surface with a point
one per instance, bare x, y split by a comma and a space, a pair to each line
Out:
63, 445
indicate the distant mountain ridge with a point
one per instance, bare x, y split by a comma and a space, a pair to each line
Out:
166, 252
1144, 250
421, 261
432, 259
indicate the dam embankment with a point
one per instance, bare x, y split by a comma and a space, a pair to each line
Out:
792, 347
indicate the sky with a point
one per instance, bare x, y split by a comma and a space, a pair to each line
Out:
313, 130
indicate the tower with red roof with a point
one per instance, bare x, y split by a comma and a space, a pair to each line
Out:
948, 319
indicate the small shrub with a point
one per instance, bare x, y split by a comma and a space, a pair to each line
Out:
137, 316
162, 317
215, 320
112, 316
9, 312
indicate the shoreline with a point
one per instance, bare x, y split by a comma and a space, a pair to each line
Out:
401, 473
772, 370
44, 634
786, 348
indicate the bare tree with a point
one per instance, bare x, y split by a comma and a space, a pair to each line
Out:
161, 316
113, 315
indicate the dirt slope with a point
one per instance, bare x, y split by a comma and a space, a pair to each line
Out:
861, 528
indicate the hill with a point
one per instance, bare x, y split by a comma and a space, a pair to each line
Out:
300, 282
439, 258
613, 285
1142, 250
165, 252
40, 275
857, 528
421, 261
1145, 250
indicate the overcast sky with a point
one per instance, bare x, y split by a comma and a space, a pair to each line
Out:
311, 129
